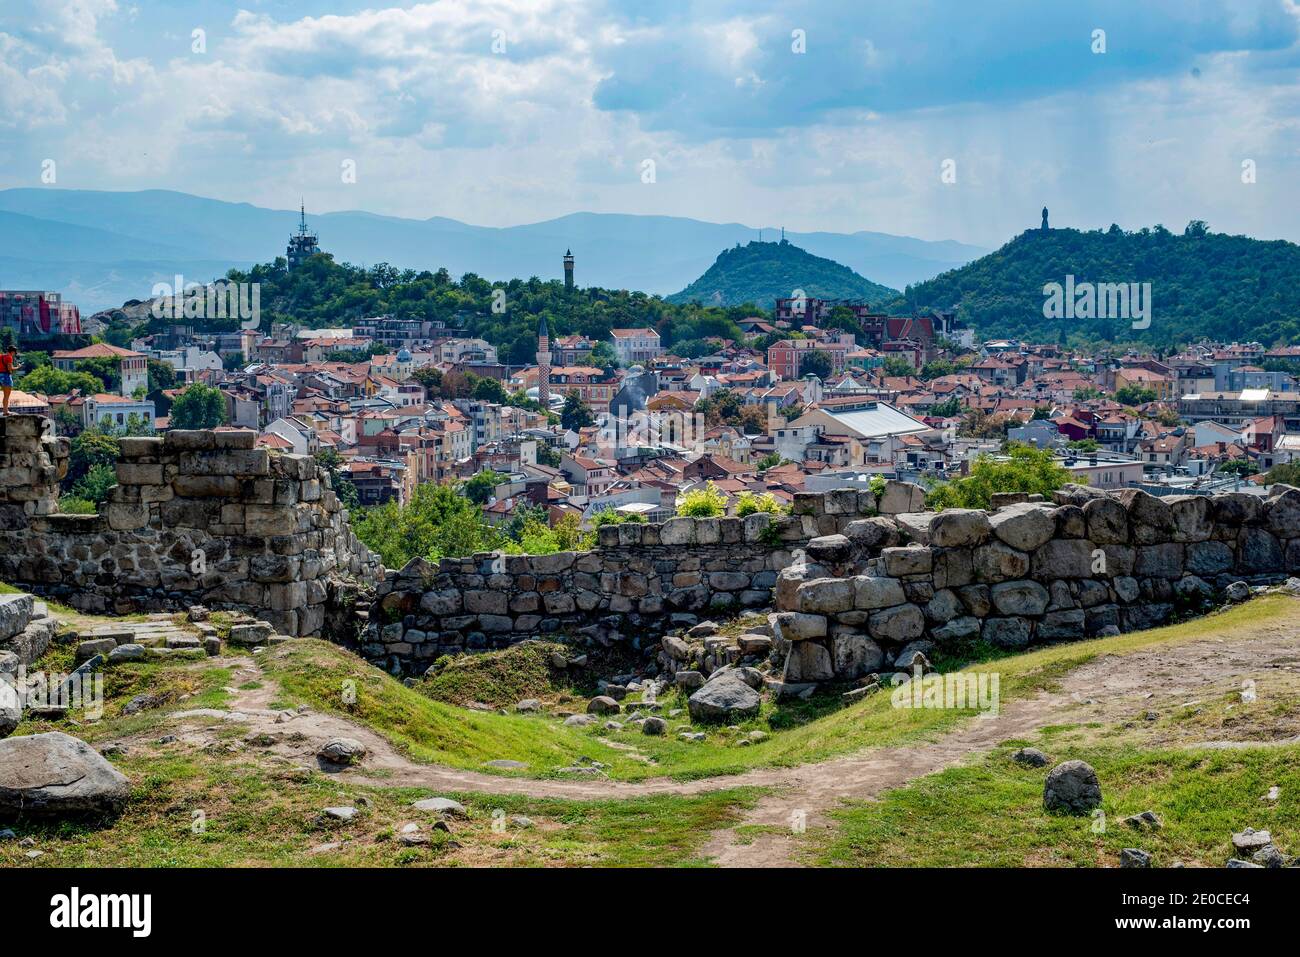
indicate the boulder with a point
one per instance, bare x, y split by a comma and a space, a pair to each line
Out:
959, 527
1024, 527
690, 680
907, 560
727, 699
877, 592
343, 751
654, 725
794, 626
11, 709
900, 623
826, 596
54, 774
1107, 521
1237, 592
602, 704
808, 661
1072, 788
856, 655
1019, 598
830, 549
1031, 757
441, 806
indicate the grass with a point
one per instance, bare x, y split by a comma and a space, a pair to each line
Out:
216, 809
991, 814
805, 732
330, 679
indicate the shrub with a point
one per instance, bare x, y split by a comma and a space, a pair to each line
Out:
748, 503
707, 502
1025, 469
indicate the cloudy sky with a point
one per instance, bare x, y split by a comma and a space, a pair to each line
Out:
511, 111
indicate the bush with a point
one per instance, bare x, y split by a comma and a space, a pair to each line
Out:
707, 502
1025, 469
748, 503
609, 516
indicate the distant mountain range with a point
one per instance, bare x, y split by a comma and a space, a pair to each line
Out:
102, 248
763, 272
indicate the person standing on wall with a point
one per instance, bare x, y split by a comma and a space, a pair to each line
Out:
8, 359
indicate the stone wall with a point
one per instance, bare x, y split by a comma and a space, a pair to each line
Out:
1089, 564
197, 517
639, 579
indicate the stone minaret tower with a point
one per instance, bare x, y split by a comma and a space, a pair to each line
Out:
544, 359
568, 270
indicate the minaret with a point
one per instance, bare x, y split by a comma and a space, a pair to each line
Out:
544, 357
568, 270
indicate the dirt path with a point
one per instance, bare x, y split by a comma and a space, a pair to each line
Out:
1111, 688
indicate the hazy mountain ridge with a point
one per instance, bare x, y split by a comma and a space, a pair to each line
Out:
653, 254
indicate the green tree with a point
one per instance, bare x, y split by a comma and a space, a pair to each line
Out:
199, 407
947, 408
93, 447
47, 380
815, 362
603, 356
1023, 469
439, 521
576, 414
1134, 395
479, 488
491, 390
897, 366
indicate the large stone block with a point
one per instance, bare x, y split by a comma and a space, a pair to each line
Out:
825, 596
872, 533
899, 497
1107, 521
1192, 516
1283, 514
247, 462
909, 560
1008, 633
959, 527
1150, 519
1019, 598
797, 626
1024, 527
901, 623
855, 655
1160, 561
1258, 552
876, 592
808, 661
1063, 558
997, 562
915, 526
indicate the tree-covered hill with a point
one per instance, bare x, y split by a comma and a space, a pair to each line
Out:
1203, 284
762, 272
324, 293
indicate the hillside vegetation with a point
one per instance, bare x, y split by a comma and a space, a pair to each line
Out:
760, 273
1202, 284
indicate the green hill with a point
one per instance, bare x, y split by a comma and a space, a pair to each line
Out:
1203, 284
759, 273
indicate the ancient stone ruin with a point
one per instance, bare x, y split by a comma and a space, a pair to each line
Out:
197, 517
856, 576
